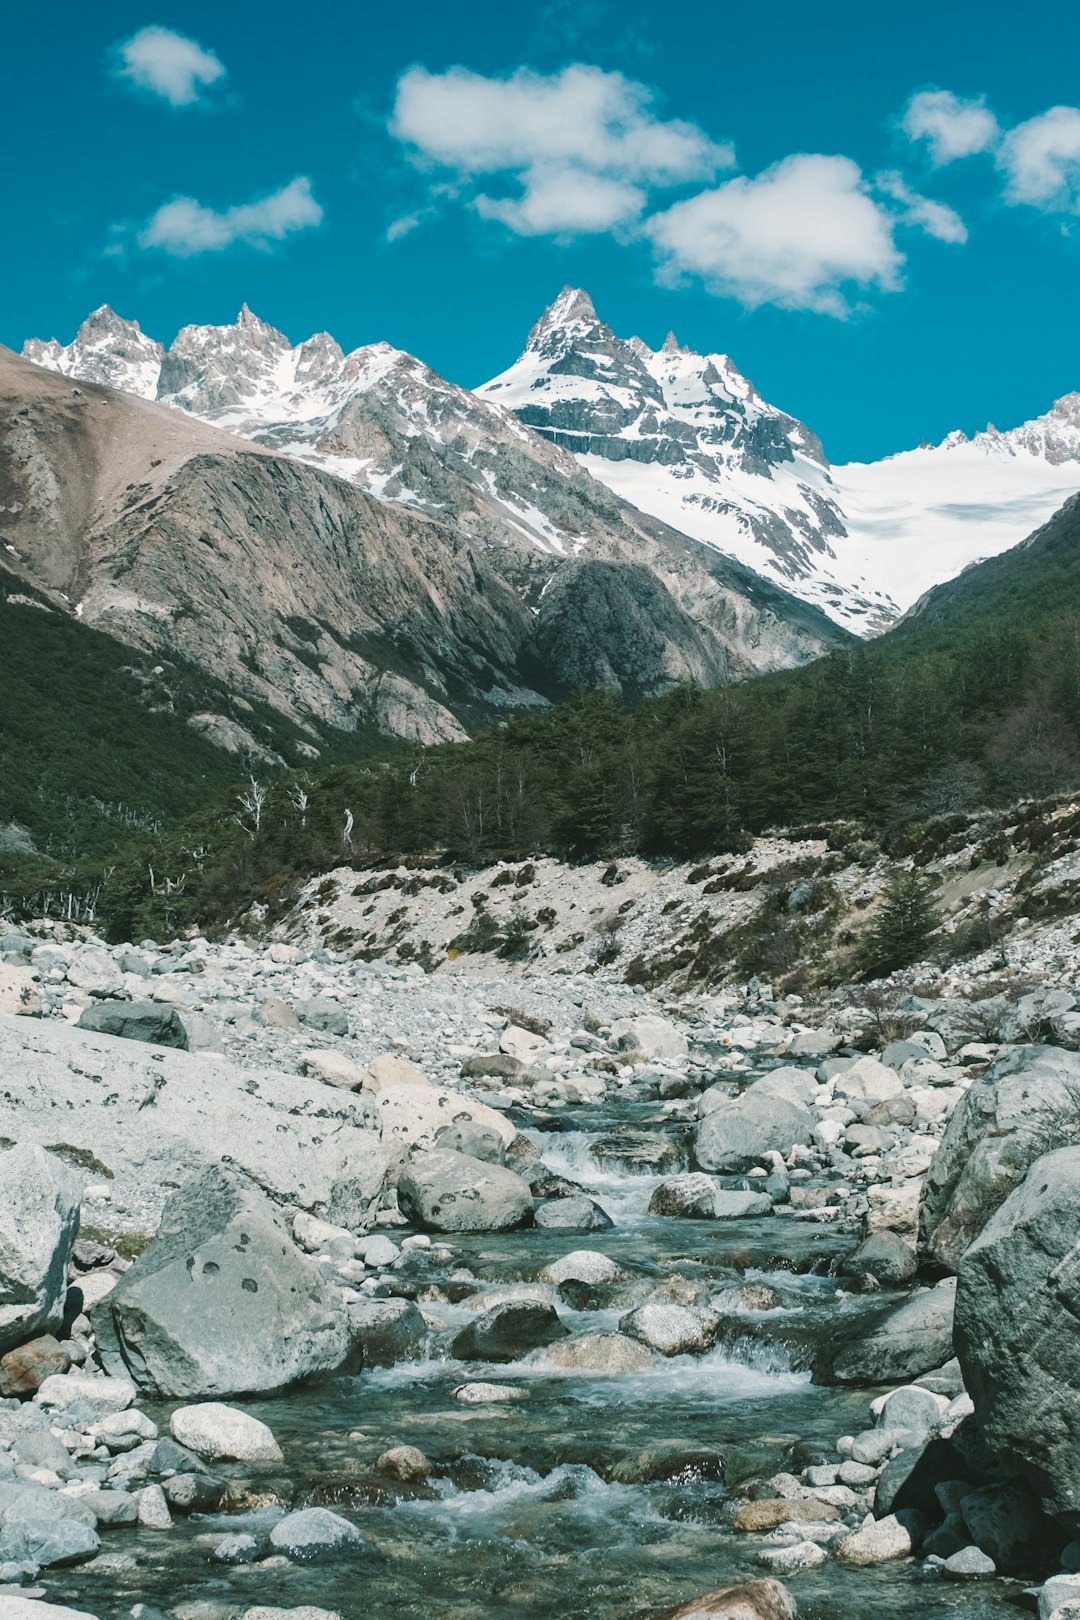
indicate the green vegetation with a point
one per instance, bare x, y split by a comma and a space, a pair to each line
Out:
974, 701
901, 931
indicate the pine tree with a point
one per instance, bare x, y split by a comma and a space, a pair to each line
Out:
903, 926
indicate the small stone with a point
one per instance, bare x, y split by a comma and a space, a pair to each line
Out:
970, 1564
789, 1560
481, 1394
238, 1549
878, 1540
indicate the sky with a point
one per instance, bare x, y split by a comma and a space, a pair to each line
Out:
875, 212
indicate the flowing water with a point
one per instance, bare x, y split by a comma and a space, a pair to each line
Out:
587, 1497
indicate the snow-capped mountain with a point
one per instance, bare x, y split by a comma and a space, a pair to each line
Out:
596, 446
687, 437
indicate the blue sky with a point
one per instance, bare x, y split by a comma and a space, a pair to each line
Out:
759, 179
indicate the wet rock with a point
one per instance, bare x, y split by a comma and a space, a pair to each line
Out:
878, 1540
894, 1345
971, 1564
673, 1330
238, 1549
739, 1135
883, 1255
508, 1331
193, 1493
767, 1512
789, 1560
222, 1302
387, 1330
405, 1463
482, 1394
22, 1371
153, 1509
151, 1021
450, 1192
673, 1461
39, 1219
312, 1531
601, 1353
46, 1539
996, 1132
1018, 1329
699, 1197
578, 1214
756, 1600
584, 1266
1058, 1591
214, 1430
639, 1152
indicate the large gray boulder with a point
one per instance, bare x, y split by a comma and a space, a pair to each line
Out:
151, 1021
39, 1221
156, 1116
387, 1331
1018, 1330
737, 1135
892, 1346
508, 1331
451, 1192
1006, 1120
222, 1302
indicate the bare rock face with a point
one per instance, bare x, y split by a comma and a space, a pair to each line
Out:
1018, 1330
1002, 1124
222, 1302
39, 1221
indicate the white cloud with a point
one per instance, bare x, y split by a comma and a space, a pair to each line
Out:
169, 65
581, 143
937, 219
952, 126
185, 227
796, 235
565, 202
1040, 160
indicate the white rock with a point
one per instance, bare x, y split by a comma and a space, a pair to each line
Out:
582, 1265
215, 1430
333, 1068
311, 1234
153, 1509
482, 1394
61, 1390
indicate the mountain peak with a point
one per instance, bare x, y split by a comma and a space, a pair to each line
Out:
573, 307
670, 344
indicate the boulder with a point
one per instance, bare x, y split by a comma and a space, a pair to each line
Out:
312, 1531
674, 1330
878, 1540
324, 1015
39, 1220
450, 1192
508, 1331
1002, 1124
413, 1115
332, 1068
160, 1116
214, 1430
222, 1302
655, 1038
603, 1353
740, 1134
638, 1152
387, 1330
478, 1141
866, 1084
407, 1464
885, 1256
1018, 1330
895, 1345
20, 991
583, 1266
493, 1066
26, 1368
699, 1197
577, 1214
78, 1389
756, 1600
387, 1070
13, 1606
793, 1084
92, 969
150, 1021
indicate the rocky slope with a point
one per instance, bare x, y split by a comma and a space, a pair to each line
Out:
385, 422
294, 587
